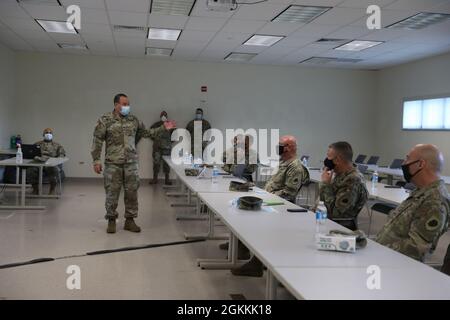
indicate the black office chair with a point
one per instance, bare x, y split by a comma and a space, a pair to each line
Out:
362, 168
360, 158
446, 265
373, 160
396, 164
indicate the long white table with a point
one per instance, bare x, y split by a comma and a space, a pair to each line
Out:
391, 173
283, 240
11, 162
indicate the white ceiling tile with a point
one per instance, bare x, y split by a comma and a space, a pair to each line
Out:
93, 16
414, 4
43, 44
250, 49
230, 39
167, 21
12, 10
34, 35
93, 4
200, 10
205, 24
296, 42
66, 38
142, 6
364, 3
349, 32
46, 12
386, 34
260, 11
315, 30
340, 16
388, 17
243, 26
442, 8
26, 24
335, 54
15, 43
325, 3
279, 28
128, 18
194, 35
94, 28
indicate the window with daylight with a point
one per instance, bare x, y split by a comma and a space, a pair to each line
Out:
426, 114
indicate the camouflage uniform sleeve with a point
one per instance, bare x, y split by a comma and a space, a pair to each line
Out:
292, 183
44, 154
61, 153
343, 201
428, 224
97, 143
148, 133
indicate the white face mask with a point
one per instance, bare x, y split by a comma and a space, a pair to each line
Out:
125, 110
163, 118
48, 136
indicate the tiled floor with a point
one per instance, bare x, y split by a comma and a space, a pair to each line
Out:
75, 225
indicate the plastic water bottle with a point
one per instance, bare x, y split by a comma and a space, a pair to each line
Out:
191, 160
321, 216
305, 162
374, 180
19, 155
215, 175
318, 220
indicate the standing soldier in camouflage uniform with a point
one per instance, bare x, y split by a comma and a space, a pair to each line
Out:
346, 194
162, 146
415, 226
205, 126
286, 183
121, 132
49, 149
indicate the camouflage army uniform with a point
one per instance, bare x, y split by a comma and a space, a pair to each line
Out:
49, 149
415, 226
286, 182
344, 197
120, 134
162, 146
230, 160
190, 127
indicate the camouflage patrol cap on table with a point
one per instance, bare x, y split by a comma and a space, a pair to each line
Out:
250, 203
191, 172
240, 186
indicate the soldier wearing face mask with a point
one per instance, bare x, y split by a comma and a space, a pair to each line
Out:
205, 125
49, 149
162, 146
120, 131
417, 223
343, 188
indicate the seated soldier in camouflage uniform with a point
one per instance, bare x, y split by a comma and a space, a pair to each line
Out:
238, 154
415, 226
286, 183
345, 194
49, 149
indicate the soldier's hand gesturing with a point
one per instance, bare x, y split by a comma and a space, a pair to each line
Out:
327, 175
98, 168
170, 124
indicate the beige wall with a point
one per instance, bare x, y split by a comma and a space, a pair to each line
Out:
423, 78
69, 93
7, 102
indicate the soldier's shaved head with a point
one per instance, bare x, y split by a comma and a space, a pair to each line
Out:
431, 154
290, 147
288, 140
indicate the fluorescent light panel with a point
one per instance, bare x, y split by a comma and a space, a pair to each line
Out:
326, 60
239, 57
358, 45
163, 34
56, 26
300, 14
158, 52
261, 40
72, 46
46, 2
420, 21
172, 7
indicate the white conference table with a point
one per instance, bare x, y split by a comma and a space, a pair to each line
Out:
284, 240
11, 162
391, 173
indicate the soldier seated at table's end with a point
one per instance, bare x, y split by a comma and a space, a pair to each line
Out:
49, 149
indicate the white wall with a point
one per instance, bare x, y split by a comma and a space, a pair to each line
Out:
69, 93
422, 78
7, 102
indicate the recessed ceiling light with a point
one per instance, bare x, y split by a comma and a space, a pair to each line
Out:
158, 52
47, 2
72, 46
239, 57
420, 21
261, 40
163, 34
358, 45
57, 26
300, 14
172, 7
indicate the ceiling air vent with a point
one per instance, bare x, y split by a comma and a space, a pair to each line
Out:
120, 28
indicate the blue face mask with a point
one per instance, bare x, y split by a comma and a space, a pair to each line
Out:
125, 110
